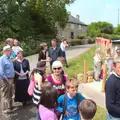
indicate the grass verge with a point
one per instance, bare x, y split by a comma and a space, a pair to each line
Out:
76, 66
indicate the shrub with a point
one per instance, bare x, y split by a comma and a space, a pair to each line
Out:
76, 42
109, 36
30, 46
89, 40
80, 37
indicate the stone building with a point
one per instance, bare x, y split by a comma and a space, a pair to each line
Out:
73, 28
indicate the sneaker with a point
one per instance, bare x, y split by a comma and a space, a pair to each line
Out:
10, 110
7, 116
14, 108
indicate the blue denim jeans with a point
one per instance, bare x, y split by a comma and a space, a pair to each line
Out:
37, 114
109, 117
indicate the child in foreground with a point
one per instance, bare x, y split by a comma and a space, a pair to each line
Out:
38, 77
69, 102
87, 109
48, 102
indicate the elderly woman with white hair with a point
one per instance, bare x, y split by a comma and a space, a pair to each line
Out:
58, 77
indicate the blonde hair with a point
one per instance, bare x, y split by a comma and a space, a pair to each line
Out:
73, 81
8, 40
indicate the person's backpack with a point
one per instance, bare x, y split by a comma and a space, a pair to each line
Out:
62, 115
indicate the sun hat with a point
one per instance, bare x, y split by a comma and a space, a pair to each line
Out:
41, 65
57, 64
7, 47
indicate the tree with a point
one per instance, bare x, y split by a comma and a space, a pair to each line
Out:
100, 27
117, 30
31, 18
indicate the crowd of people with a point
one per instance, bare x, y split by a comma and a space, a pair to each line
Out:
100, 59
55, 96
112, 86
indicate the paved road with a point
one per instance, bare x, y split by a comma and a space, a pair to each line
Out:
28, 112
71, 52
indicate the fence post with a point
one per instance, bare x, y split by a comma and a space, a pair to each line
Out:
104, 77
85, 71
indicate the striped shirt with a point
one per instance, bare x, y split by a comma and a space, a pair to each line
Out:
36, 95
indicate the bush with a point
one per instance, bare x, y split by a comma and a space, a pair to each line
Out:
109, 36
80, 37
76, 42
89, 40
86, 40
29, 45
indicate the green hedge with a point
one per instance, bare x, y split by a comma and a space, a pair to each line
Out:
109, 36
30, 46
86, 40
76, 42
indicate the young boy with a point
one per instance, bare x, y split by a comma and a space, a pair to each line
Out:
68, 103
87, 109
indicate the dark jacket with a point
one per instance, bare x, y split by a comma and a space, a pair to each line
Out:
112, 92
54, 54
25, 67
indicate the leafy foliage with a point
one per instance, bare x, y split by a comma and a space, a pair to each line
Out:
117, 30
100, 27
32, 20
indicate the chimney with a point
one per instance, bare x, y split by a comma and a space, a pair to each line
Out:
78, 17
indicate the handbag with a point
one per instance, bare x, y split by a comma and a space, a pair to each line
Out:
31, 86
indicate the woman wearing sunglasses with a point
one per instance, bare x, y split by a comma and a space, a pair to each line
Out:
57, 78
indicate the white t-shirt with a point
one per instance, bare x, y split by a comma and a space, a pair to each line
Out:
97, 58
62, 46
16, 49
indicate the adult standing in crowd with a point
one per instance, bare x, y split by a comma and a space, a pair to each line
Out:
54, 52
42, 53
63, 46
6, 81
57, 79
112, 92
22, 68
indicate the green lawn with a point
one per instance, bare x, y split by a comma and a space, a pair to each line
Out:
76, 66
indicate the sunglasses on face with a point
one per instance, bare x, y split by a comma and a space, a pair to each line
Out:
57, 68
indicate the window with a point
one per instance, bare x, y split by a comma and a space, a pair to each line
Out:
72, 35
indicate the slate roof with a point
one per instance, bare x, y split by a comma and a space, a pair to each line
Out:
75, 21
